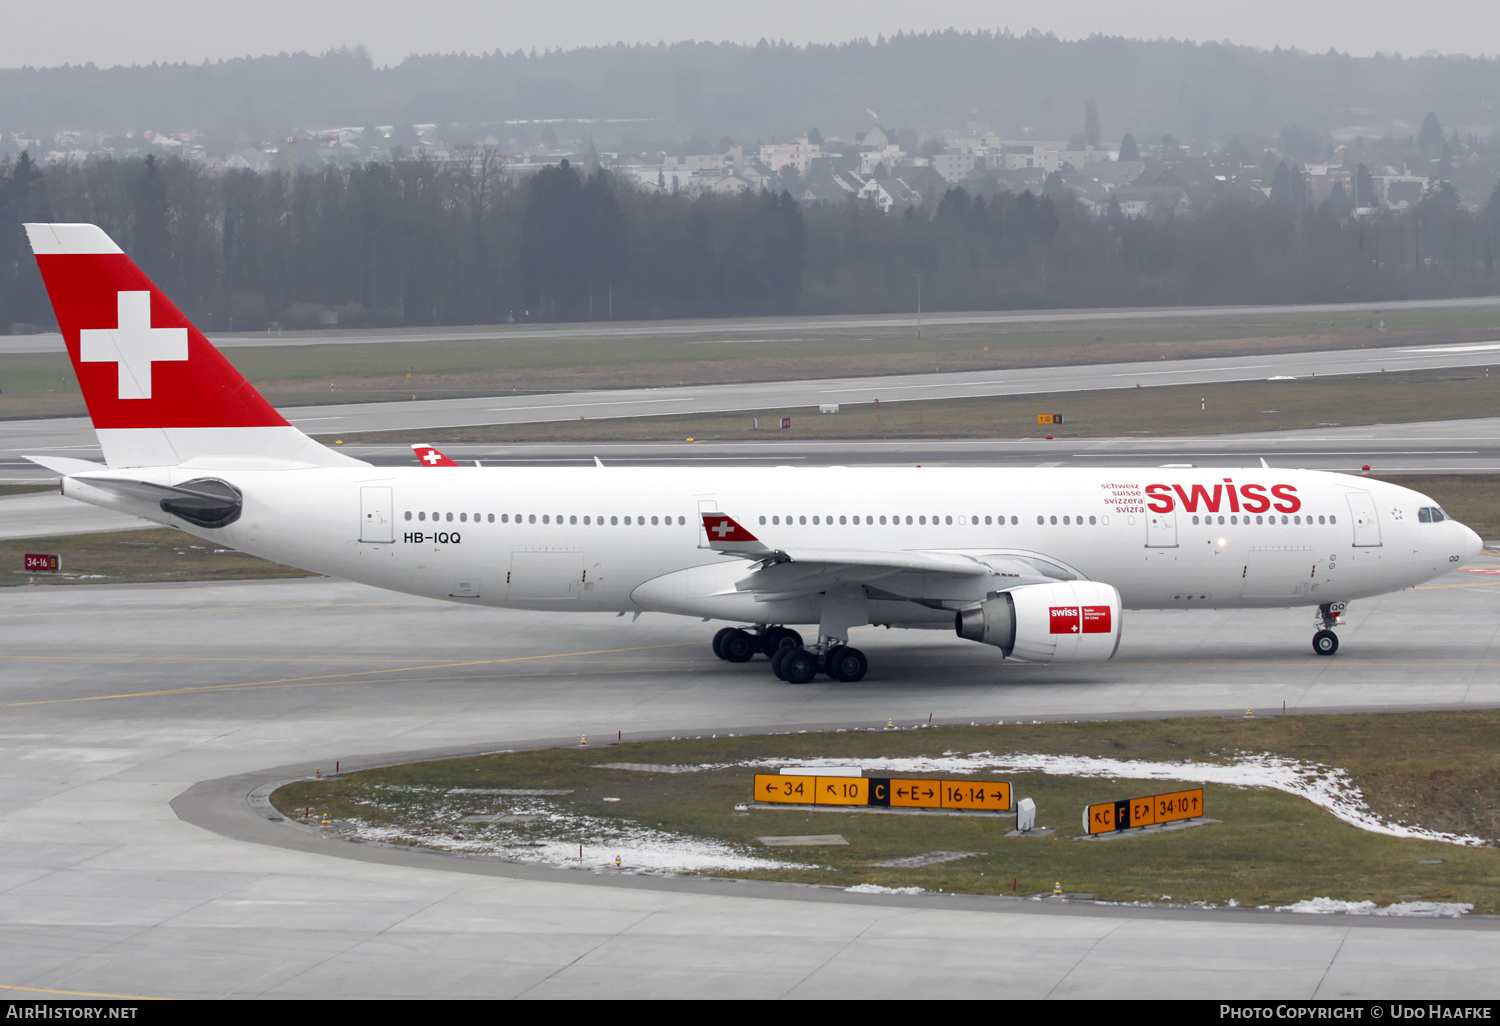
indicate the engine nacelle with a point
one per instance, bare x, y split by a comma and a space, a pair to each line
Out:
1066, 622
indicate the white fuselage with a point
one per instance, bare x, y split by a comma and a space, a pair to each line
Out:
628, 539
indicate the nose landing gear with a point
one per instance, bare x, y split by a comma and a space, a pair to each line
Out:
1330, 615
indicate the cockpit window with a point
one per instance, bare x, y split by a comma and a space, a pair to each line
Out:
1438, 515
1424, 515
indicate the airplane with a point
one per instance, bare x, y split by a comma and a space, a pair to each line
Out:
1039, 563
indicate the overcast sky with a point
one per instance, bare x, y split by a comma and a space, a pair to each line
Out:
109, 32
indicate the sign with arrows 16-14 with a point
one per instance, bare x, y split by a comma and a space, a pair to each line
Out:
896, 792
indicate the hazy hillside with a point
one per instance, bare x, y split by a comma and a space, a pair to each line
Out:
929, 83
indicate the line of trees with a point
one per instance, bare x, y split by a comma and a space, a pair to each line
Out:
772, 90
421, 241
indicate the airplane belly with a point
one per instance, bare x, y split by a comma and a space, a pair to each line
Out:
709, 590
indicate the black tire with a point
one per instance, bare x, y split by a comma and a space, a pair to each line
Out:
778, 638
847, 664
778, 659
799, 666
719, 641
1325, 643
831, 660
739, 646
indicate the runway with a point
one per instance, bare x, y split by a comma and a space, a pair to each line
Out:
119, 699
67, 434
43, 514
51, 342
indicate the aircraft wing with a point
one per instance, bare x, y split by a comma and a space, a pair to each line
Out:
796, 571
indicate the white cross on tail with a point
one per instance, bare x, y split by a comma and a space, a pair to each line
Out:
723, 530
134, 345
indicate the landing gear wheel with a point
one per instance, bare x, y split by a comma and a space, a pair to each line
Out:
778, 661
778, 638
830, 660
847, 664
799, 666
1325, 643
739, 646
719, 641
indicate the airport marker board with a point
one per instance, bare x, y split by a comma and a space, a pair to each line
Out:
1138, 812
43, 562
893, 792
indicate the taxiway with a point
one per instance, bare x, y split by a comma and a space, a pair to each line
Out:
120, 699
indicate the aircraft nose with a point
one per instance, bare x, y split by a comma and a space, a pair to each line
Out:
1473, 544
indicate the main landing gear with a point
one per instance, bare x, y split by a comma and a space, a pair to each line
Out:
740, 646
1330, 615
790, 660
800, 665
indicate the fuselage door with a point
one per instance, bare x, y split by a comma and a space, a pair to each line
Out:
1366, 523
1161, 530
545, 575
376, 523
705, 506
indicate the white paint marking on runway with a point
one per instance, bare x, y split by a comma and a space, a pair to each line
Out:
577, 406
1195, 370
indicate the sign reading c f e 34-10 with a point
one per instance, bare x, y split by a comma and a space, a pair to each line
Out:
1152, 810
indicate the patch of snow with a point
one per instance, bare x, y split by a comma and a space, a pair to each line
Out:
877, 889
1416, 909
641, 849
1327, 787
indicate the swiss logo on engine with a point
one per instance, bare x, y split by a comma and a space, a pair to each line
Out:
1097, 620
1080, 620
1065, 620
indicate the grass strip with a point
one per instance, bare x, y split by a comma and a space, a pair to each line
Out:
42, 384
134, 557
1436, 770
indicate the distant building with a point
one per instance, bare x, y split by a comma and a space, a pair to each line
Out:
797, 154
1400, 191
957, 167
877, 138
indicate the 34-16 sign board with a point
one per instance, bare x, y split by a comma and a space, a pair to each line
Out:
1138, 812
894, 792
43, 563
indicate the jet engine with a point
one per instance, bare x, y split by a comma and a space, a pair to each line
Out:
1066, 622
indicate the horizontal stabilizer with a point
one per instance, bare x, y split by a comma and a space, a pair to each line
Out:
150, 491
65, 465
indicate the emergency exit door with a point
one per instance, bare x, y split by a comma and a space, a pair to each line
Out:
705, 506
1161, 530
376, 524
1366, 523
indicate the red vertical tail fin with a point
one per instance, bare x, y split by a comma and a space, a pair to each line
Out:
158, 392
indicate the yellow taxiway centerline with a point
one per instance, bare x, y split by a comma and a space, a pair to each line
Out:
80, 993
